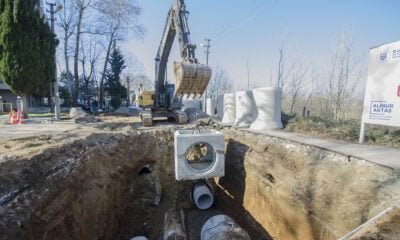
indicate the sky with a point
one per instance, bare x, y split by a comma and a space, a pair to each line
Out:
250, 32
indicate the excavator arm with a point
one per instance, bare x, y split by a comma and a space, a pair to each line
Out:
191, 78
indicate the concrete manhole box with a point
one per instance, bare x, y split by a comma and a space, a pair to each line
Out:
199, 154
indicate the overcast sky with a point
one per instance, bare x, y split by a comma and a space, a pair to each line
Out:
252, 31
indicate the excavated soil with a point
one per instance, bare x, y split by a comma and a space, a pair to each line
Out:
102, 181
95, 188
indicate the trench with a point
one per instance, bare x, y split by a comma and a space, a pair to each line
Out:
102, 187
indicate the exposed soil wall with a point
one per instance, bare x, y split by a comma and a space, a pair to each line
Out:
77, 191
296, 191
90, 189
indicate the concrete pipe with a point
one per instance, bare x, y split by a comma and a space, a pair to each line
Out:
202, 196
268, 102
222, 227
139, 238
246, 110
174, 225
210, 108
220, 107
229, 109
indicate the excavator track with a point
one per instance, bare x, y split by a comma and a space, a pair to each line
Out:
180, 117
147, 118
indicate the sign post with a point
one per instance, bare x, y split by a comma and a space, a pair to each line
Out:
382, 94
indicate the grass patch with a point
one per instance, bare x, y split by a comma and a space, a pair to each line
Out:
343, 130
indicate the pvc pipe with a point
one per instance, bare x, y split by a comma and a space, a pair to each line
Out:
268, 103
229, 109
210, 108
222, 227
246, 111
220, 107
202, 196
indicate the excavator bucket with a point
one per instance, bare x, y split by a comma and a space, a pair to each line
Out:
191, 78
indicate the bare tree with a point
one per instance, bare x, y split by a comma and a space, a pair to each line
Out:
296, 84
343, 72
283, 73
220, 83
90, 55
82, 6
116, 18
67, 22
281, 65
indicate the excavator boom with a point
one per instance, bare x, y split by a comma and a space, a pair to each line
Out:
191, 77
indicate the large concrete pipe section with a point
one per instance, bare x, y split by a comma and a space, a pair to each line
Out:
139, 238
268, 103
202, 195
220, 107
222, 227
246, 111
210, 107
229, 109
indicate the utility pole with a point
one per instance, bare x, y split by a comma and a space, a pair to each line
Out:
207, 46
207, 51
56, 93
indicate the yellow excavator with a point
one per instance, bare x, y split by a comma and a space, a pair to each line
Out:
191, 77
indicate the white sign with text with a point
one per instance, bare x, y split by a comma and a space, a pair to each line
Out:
382, 95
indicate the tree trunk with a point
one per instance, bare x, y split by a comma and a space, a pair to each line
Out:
69, 83
76, 56
128, 98
51, 99
293, 102
103, 75
24, 106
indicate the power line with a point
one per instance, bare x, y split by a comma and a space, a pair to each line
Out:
225, 29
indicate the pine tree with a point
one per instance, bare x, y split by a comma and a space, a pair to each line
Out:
26, 48
113, 84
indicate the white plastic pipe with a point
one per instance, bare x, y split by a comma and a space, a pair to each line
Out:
269, 113
220, 107
202, 196
210, 108
222, 227
229, 109
246, 111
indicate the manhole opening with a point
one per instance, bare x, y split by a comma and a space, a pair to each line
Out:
200, 156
